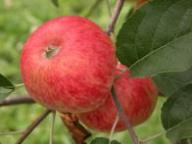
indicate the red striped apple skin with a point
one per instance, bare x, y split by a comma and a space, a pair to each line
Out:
138, 97
79, 73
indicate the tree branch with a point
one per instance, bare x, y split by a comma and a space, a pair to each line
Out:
122, 115
16, 100
78, 132
115, 15
110, 29
32, 126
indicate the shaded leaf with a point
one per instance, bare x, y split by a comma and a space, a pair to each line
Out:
177, 114
169, 83
181, 131
157, 38
6, 87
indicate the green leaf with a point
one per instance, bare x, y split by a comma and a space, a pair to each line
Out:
6, 87
169, 83
181, 131
157, 38
102, 140
55, 3
177, 114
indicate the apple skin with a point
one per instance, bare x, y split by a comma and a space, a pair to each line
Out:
138, 98
79, 74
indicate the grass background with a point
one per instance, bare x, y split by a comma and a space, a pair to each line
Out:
17, 20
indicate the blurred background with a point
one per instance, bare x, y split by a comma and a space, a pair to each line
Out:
18, 18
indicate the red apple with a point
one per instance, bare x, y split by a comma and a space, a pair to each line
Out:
68, 64
138, 98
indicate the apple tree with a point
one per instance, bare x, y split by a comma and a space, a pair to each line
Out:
154, 41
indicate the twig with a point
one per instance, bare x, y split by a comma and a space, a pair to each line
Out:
113, 128
78, 132
32, 126
19, 85
110, 29
115, 15
152, 137
52, 127
122, 115
16, 100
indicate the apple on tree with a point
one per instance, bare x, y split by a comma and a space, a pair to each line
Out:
68, 64
138, 97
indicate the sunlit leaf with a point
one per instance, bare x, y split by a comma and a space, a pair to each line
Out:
6, 87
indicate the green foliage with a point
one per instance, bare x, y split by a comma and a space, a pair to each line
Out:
177, 114
157, 38
181, 131
169, 83
6, 87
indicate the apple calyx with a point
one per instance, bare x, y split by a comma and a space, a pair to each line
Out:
51, 51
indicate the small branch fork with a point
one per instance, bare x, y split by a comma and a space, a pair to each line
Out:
32, 126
